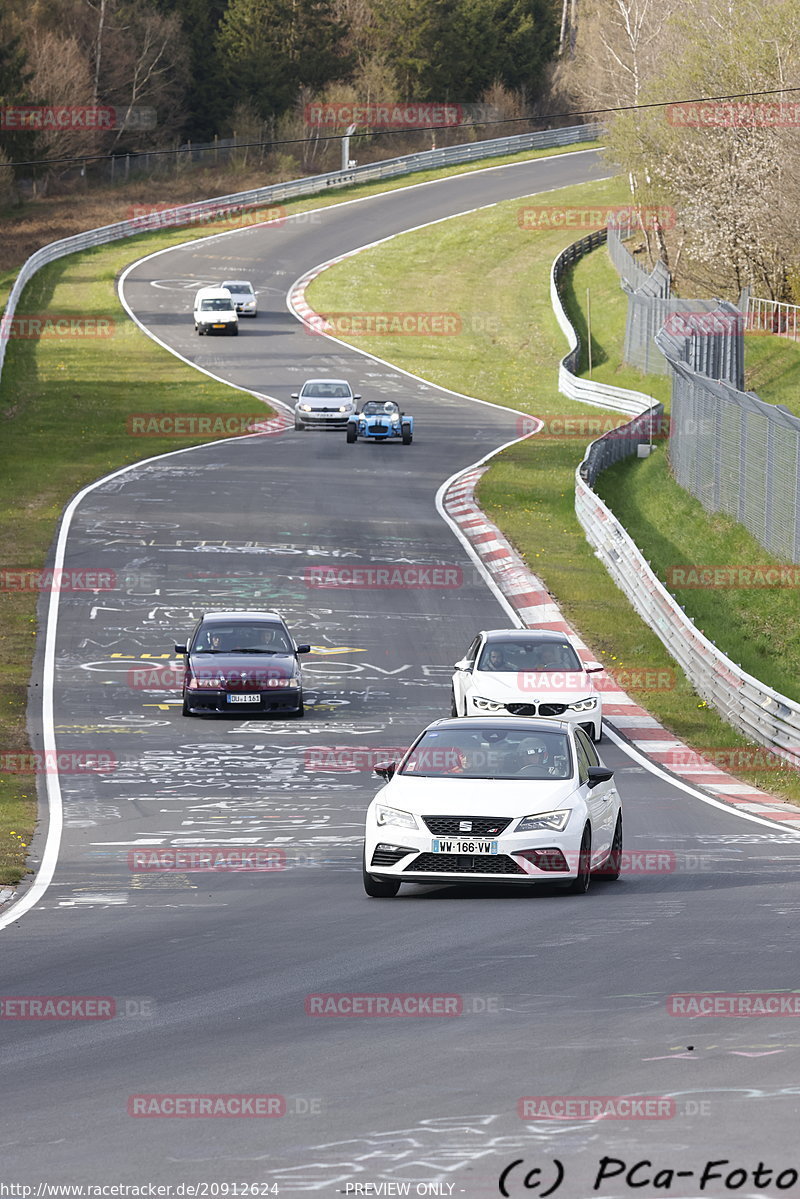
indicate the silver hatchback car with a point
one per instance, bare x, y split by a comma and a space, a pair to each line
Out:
324, 403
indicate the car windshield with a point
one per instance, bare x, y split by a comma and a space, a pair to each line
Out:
380, 408
243, 638
490, 753
238, 287
326, 391
526, 653
219, 305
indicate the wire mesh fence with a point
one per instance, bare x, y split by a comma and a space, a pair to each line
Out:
651, 307
736, 453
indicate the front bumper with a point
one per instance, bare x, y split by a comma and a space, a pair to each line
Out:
216, 326
591, 721
218, 701
418, 863
323, 420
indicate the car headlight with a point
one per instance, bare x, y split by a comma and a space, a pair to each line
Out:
249, 303
584, 705
346, 408
554, 821
387, 815
487, 705
305, 407
197, 684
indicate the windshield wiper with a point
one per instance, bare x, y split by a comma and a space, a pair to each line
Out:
251, 649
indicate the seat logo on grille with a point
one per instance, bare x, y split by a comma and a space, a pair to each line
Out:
465, 826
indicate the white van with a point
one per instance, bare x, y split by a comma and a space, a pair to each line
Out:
214, 311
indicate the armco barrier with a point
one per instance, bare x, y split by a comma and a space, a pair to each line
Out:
763, 715
750, 706
242, 201
618, 399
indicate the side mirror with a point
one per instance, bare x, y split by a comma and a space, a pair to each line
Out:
181, 649
593, 667
303, 649
462, 664
402, 413
386, 770
355, 397
295, 395
599, 774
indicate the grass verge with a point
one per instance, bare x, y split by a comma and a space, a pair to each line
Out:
496, 277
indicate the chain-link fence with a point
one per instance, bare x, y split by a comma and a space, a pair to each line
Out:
651, 308
737, 454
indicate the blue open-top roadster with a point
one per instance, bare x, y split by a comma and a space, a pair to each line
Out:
379, 420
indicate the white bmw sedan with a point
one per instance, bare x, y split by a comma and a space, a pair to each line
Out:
494, 800
527, 672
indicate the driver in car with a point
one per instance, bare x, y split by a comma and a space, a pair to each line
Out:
549, 657
534, 757
496, 659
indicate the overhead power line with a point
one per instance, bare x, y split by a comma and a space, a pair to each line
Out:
370, 132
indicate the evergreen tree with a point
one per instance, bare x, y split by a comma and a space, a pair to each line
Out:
270, 49
14, 80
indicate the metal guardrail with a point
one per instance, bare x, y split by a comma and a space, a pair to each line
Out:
753, 708
623, 442
772, 316
617, 399
763, 715
390, 168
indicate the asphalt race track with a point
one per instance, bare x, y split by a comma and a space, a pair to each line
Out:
210, 972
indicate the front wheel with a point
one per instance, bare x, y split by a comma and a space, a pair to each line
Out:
379, 888
298, 424
580, 884
599, 736
408, 436
234, 330
186, 710
351, 434
611, 869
